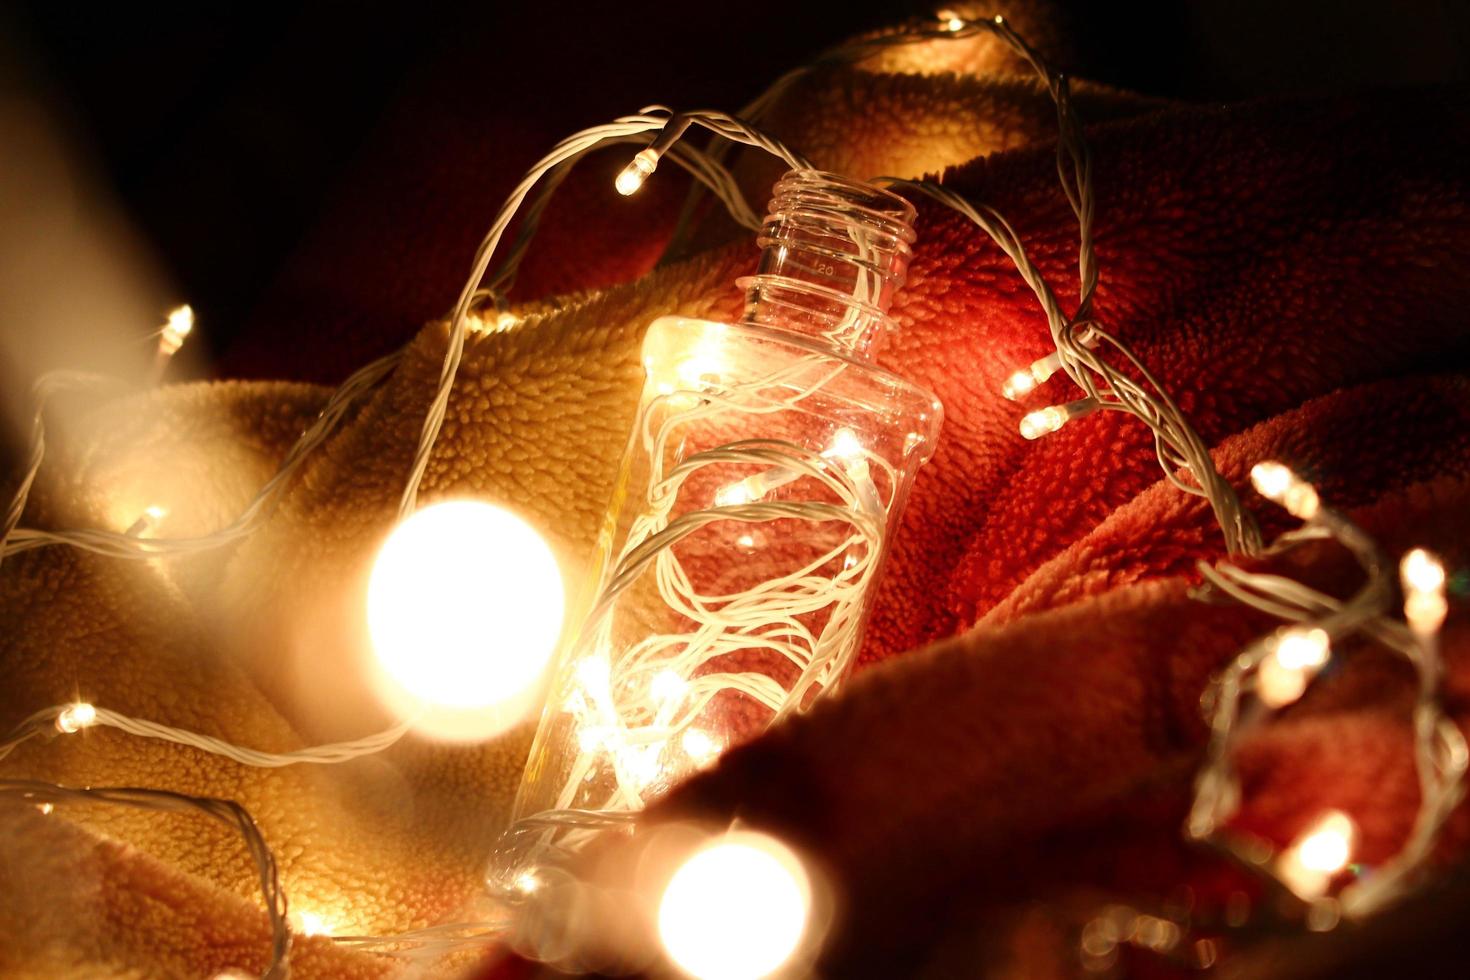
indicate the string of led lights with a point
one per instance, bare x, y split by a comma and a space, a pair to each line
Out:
114, 544
74, 717
670, 128
1276, 670
1078, 338
227, 812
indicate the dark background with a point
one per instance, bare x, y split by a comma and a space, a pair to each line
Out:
224, 130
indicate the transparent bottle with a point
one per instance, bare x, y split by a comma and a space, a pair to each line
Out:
766, 471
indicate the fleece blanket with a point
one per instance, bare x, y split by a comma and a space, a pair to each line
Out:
1021, 737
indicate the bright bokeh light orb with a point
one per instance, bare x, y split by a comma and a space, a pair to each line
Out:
1329, 845
464, 608
737, 909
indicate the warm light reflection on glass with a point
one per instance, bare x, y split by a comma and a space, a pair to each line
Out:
737, 909
464, 609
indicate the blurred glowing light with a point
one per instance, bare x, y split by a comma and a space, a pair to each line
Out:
312, 924
464, 609
1318, 854
667, 685
1019, 384
1423, 578
735, 494
1280, 485
699, 746
148, 521
1294, 659
1301, 648
180, 324
1421, 572
736, 910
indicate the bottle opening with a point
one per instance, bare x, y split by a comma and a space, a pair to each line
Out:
834, 252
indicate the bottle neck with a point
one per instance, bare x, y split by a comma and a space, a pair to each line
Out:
834, 251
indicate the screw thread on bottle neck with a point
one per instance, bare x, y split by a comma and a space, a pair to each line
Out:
834, 252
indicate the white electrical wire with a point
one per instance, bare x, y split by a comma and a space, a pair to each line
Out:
115, 544
50, 719
227, 812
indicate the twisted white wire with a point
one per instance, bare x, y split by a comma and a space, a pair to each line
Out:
227, 812
44, 721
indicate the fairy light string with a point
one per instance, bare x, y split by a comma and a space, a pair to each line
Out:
227, 812
1080, 342
1275, 670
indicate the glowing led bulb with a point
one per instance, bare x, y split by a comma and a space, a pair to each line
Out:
1046, 420
595, 676
699, 746
1278, 484
1421, 572
311, 924
180, 324
641, 763
590, 739
736, 910
1423, 579
464, 609
1321, 851
691, 368
75, 717
1024, 381
639, 169
1299, 649
1271, 479
735, 494
1019, 384
1043, 421
667, 686
845, 445
1296, 655
147, 522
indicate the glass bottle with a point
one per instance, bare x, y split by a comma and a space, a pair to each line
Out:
765, 474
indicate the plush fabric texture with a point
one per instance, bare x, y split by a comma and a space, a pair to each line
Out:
1030, 722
